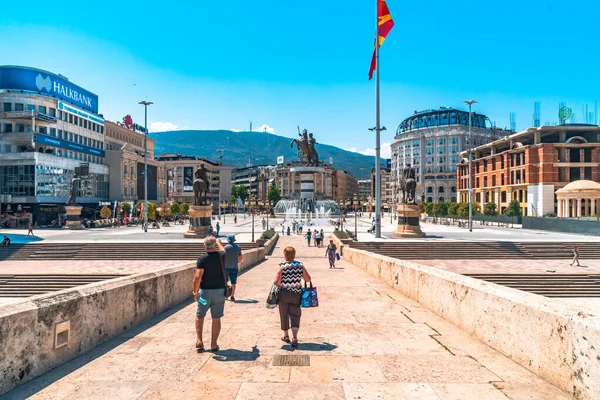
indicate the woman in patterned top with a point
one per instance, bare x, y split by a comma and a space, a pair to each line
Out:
289, 280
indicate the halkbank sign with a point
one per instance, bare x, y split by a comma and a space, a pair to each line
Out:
44, 82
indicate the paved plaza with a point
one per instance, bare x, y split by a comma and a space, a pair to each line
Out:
365, 341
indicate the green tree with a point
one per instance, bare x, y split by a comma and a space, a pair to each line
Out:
273, 195
514, 210
421, 205
185, 208
490, 210
440, 209
429, 208
152, 210
165, 209
125, 208
239, 191
105, 212
463, 210
175, 208
453, 209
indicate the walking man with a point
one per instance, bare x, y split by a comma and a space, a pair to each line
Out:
218, 228
30, 232
233, 257
210, 279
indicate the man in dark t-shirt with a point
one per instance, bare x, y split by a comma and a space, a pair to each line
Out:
209, 278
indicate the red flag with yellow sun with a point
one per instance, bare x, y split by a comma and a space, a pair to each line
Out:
385, 23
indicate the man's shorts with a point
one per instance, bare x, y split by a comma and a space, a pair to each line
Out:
216, 303
231, 274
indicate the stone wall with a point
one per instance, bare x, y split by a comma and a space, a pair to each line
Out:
270, 244
557, 342
96, 313
568, 225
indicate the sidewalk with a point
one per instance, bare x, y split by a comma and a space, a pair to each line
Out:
365, 341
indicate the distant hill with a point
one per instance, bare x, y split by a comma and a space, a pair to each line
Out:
264, 148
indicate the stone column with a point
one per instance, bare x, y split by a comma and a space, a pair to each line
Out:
559, 208
74, 217
578, 214
593, 206
586, 212
200, 220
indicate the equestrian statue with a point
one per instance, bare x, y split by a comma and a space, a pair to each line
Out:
201, 185
306, 148
408, 185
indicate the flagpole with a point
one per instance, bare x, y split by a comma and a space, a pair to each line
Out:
377, 130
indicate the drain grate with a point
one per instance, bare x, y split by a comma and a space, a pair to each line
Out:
291, 361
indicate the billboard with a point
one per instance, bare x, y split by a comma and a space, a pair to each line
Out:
44, 82
188, 179
152, 181
64, 144
280, 160
170, 183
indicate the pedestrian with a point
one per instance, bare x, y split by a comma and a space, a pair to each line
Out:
289, 280
30, 232
322, 237
5, 241
235, 219
308, 235
211, 230
218, 228
575, 256
210, 279
317, 238
282, 229
233, 257
264, 224
300, 226
288, 231
331, 253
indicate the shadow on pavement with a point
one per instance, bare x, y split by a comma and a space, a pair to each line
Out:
304, 346
245, 301
37, 384
237, 355
16, 238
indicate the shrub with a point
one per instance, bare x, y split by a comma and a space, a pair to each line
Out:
490, 210
175, 208
268, 234
105, 212
440, 209
341, 235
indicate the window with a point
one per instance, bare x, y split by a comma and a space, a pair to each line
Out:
60, 134
30, 107
85, 124
20, 127
53, 132
42, 109
59, 115
429, 151
76, 120
493, 180
429, 160
441, 142
52, 112
8, 128
441, 150
429, 142
43, 129
7, 107
70, 118
18, 106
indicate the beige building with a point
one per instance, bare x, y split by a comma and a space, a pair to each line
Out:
181, 172
290, 185
125, 157
346, 186
257, 180
387, 188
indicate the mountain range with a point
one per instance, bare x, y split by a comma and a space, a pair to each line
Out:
257, 148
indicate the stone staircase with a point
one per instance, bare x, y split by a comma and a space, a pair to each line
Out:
34, 284
107, 251
573, 285
455, 250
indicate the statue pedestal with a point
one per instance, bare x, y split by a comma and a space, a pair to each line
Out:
199, 222
74, 217
408, 221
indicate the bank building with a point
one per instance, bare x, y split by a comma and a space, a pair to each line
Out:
48, 127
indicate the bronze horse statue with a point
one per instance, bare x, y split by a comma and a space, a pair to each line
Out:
306, 146
408, 185
201, 185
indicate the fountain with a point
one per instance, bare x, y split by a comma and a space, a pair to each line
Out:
315, 211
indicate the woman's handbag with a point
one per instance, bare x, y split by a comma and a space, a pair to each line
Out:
273, 297
337, 256
228, 288
309, 296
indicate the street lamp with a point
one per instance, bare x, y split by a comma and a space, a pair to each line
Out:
355, 201
252, 212
145, 104
470, 104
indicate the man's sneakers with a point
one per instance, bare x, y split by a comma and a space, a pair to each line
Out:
232, 299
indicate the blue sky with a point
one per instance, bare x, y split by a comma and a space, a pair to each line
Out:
221, 64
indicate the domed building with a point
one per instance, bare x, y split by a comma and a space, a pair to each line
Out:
578, 199
431, 142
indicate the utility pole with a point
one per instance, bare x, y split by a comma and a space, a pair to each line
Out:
470, 104
145, 104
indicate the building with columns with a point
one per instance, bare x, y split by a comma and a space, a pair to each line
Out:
530, 166
578, 199
431, 142
289, 181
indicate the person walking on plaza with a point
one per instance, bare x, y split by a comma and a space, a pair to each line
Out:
289, 280
218, 228
308, 235
210, 279
30, 232
5, 241
235, 220
317, 238
264, 224
575, 256
233, 257
331, 253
